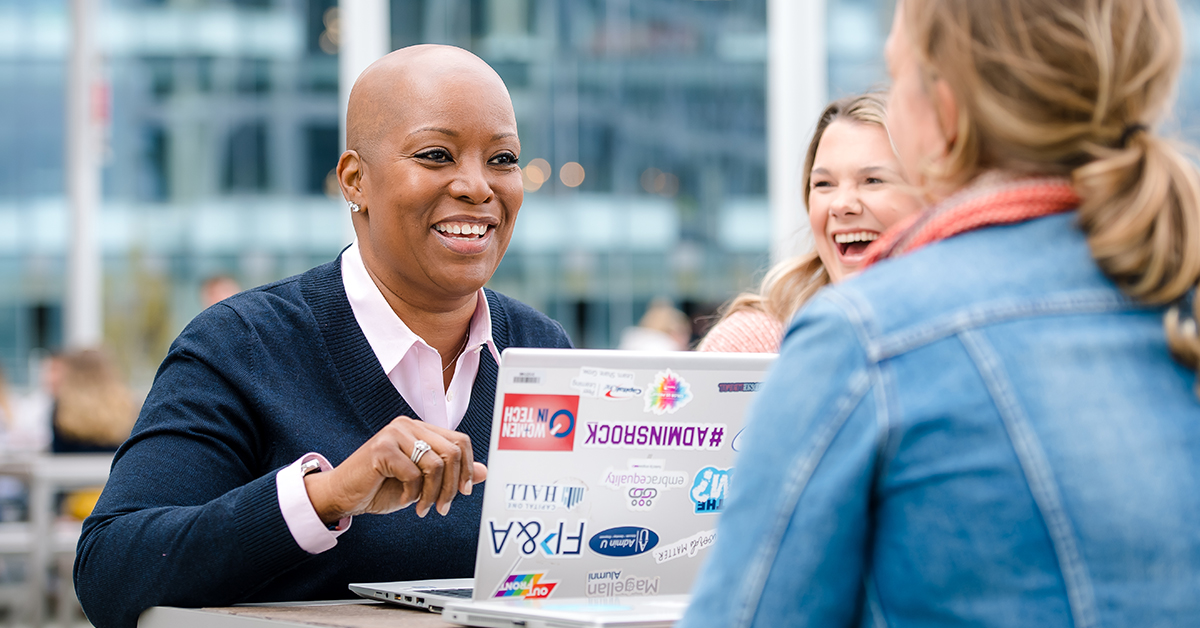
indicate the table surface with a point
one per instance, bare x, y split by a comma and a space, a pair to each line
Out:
337, 614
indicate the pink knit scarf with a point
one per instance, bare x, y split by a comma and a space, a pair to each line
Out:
983, 203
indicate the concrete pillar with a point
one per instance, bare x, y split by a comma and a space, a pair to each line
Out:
86, 107
797, 88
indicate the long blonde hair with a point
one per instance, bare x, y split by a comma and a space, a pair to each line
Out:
1074, 87
791, 283
94, 405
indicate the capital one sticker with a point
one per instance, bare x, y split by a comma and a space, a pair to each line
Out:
538, 422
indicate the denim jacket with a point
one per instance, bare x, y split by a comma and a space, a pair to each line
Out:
984, 432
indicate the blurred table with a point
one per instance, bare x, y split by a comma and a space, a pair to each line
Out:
333, 614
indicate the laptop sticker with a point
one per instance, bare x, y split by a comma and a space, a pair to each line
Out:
543, 497
532, 536
615, 583
624, 541
644, 482
667, 393
736, 387
528, 377
689, 546
709, 489
538, 422
627, 435
529, 586
608, 384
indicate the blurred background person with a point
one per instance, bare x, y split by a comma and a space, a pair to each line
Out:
93, 409
217, 288
662, 328
854, 190
996, 424
8, 420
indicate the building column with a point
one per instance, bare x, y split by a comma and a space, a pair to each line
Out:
86, 106
797, 88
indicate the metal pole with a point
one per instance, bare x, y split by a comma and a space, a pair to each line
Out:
797, 86
85, 111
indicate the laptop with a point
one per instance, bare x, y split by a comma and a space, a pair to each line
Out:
660, 611
607, 471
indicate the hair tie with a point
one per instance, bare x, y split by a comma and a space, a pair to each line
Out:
1130, 131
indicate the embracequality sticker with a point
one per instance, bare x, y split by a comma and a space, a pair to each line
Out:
685, 547
643, 482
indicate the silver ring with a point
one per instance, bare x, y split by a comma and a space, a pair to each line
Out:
419, 449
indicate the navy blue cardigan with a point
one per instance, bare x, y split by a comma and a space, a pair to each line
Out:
190, 515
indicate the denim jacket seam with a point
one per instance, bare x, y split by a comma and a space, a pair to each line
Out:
993, 312
874, 606
802, 469
861, 317
1040, 478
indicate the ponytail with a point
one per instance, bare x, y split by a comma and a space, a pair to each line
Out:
1141, 214
1059, 88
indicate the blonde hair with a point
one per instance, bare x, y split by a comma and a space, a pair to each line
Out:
788, 285
1073, 87
94, 406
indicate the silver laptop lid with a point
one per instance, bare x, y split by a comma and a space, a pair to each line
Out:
607, 470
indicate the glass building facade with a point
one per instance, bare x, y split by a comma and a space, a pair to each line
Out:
643, 127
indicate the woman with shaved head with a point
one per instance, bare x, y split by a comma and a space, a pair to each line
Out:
362, 387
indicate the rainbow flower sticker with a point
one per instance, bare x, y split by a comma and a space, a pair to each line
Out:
667, 394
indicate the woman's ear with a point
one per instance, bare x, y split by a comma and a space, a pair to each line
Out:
350, 175
947, 110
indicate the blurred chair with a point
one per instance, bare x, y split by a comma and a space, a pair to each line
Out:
45, 543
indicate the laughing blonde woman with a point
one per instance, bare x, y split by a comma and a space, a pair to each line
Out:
854, 190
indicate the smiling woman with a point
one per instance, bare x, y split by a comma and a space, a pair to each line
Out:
361, 387
854, 189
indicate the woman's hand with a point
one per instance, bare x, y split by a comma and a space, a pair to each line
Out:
381, 477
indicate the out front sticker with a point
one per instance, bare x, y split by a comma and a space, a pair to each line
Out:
667, 393
529, 586
538, 422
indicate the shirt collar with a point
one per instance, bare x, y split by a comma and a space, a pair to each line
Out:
387, 334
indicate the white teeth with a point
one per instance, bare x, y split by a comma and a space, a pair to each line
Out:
462, 229
861, 236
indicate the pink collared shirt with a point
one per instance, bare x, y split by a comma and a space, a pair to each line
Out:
413, 367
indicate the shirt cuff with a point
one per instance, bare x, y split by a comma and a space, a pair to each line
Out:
302, 521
